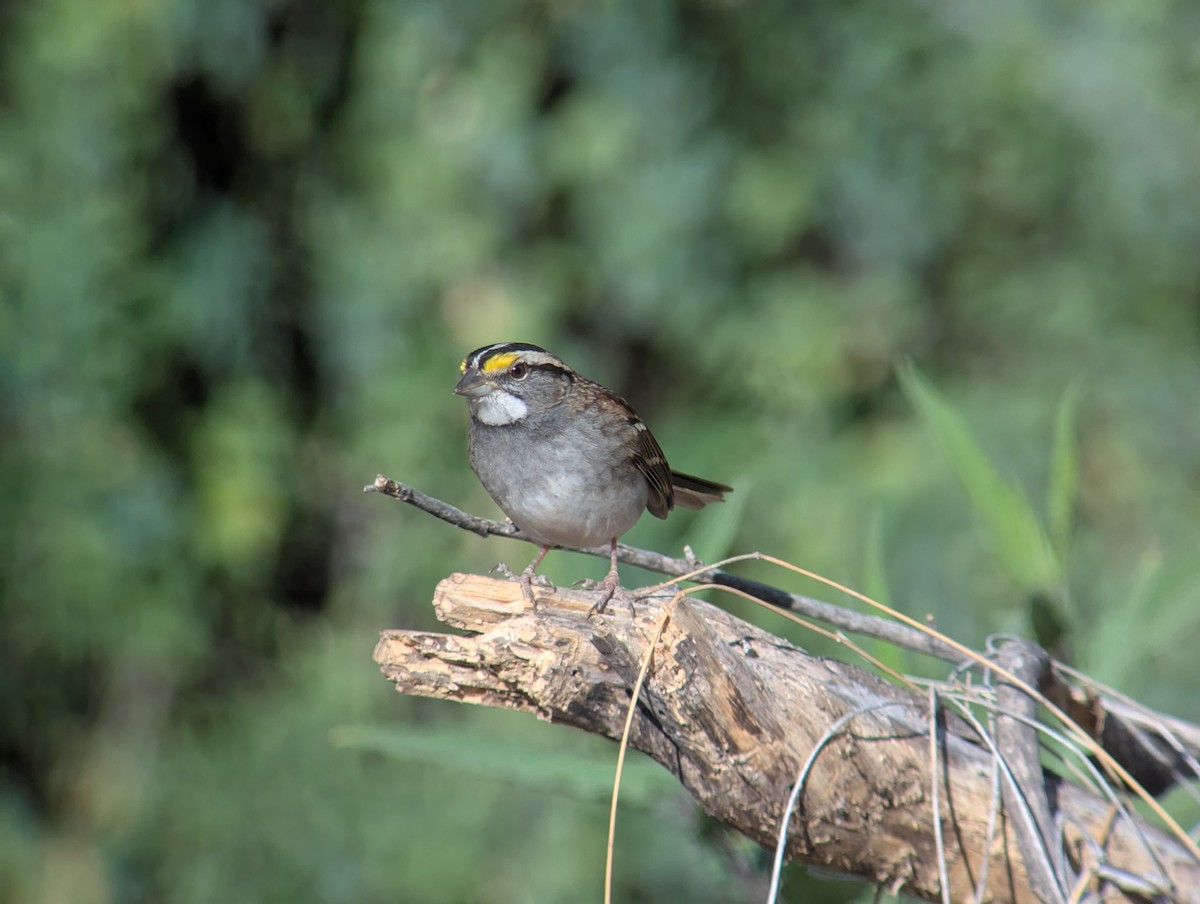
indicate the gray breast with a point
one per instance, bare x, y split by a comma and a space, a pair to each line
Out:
569, 485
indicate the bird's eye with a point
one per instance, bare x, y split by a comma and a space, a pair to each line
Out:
519, 371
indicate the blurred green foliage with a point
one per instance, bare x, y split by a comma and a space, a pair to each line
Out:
243, 246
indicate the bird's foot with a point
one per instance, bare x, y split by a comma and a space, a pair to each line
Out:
504, 571
609, 588
528, 579
527, 589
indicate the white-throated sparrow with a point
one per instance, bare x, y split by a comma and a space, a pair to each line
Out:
568, 461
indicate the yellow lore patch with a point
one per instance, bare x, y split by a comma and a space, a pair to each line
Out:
499, 362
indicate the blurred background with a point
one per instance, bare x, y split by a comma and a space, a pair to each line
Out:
921, 279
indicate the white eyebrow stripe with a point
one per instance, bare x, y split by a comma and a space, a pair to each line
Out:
485, 352
527, 356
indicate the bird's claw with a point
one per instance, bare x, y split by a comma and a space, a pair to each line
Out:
503, 570
608, 588
528, 579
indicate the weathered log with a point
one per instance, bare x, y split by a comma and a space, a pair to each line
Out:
734, 712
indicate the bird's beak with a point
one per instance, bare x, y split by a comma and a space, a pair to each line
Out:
472, 385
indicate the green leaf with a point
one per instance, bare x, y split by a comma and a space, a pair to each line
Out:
875, 585
1004, 512
714, 529
1063, 485
875, 582
576, 773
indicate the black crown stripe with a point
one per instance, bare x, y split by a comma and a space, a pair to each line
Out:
477, 357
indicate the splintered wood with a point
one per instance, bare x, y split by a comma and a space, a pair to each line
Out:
734, 712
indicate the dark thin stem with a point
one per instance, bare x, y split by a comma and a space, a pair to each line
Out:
847, 619
1028, 804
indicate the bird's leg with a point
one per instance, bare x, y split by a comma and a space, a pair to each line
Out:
527, 575
610, 585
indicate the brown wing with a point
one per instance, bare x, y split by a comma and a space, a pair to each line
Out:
667, 488
647, 454
652, 463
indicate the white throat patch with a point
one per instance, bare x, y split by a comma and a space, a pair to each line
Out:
498, 408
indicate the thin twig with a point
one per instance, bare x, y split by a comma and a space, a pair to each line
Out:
634, 696
798, 786
1090, 777
1026, 798
935, 782
855, 622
